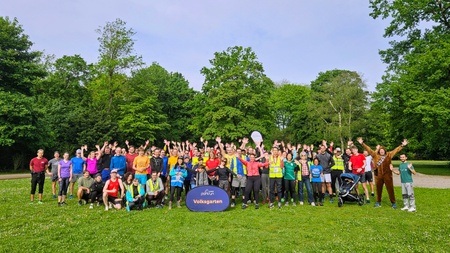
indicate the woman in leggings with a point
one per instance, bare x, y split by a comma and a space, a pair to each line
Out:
64, 177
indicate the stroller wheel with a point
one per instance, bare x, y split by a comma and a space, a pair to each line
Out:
340, 202
360, 201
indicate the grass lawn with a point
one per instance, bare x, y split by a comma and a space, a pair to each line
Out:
439, 168
49, 228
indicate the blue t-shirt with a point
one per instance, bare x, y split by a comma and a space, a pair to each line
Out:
120, 163
77, 165
316, 170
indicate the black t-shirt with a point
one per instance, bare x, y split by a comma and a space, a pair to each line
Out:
105, 161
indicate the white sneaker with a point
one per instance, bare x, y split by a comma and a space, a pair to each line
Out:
313, 204
91, 206
301, 203
412, 209
106, 208
405, 208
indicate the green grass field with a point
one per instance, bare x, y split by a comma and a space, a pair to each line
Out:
49, 228
439, 168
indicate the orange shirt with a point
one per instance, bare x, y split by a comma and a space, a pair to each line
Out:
141, 163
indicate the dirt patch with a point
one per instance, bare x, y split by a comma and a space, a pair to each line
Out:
427, 181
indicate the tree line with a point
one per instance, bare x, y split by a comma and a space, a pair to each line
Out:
60, 104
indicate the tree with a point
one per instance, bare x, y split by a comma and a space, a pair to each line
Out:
19, 65
414, 90
339, 106
289, 103
235, 93
141, 117
116, 55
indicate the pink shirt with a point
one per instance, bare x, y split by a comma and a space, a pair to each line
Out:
253, 167
91, 165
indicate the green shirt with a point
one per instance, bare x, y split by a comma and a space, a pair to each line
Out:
85, 182
405, 173
289, 170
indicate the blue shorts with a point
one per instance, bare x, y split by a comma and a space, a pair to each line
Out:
141, 177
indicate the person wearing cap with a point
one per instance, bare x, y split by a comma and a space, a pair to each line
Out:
337, 169
111, 196
118, 162
96, 190
78, 167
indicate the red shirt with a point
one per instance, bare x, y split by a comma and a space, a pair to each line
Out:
38, 165
253, 167
357, 163
130, 159
113, 185
212, 164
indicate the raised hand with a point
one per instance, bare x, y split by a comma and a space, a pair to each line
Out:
404, 142
331, 144
147, 142
218, 139
201, 139
360, 140
116, 143
349, 143
126, 142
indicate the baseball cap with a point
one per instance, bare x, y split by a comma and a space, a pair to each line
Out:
114, 171
338, 150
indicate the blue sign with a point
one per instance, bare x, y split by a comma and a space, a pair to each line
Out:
207, 199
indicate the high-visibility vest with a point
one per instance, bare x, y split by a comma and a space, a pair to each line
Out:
153, 186
275, 170
338, 163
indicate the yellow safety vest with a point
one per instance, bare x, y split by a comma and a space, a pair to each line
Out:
234, 162
338, 164
275, 170
153, 187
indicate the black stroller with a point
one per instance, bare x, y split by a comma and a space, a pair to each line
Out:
347, 190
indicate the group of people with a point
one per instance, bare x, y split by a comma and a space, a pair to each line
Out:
139, 178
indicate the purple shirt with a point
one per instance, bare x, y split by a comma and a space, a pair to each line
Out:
65, 168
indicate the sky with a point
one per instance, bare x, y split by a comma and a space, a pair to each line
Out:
294, 40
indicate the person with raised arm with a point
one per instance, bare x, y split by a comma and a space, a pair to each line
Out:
383, 174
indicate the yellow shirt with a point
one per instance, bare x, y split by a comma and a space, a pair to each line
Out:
141, 163
172, 162
229, 158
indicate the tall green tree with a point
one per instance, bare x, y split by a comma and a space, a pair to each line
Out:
20, 69
289, 105
236, 93
339, 106
415, 88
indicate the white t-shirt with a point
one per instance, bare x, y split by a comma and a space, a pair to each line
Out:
368, 163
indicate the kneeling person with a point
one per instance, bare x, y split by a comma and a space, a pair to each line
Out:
135, 196
84, 187
111, 192
155, 190
97, 190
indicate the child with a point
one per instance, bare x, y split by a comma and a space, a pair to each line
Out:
201, 177
406, 170
316, 180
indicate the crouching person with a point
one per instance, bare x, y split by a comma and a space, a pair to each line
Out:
84, 187
155, 190
96, 191
135, 196
111, 197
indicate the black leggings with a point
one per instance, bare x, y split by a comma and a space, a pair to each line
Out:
63, 185
253, 184
289, 186
272, 182
96, 196
178, 189
335, 175
317, 189
37, 178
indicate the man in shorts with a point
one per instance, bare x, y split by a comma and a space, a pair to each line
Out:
326, 161
368, 171
111, 196
53, 164
84, 187
357, 163
78, 167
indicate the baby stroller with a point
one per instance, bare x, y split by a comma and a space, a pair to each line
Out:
347, 190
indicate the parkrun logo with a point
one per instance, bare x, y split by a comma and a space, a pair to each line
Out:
207, 192
207, 199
